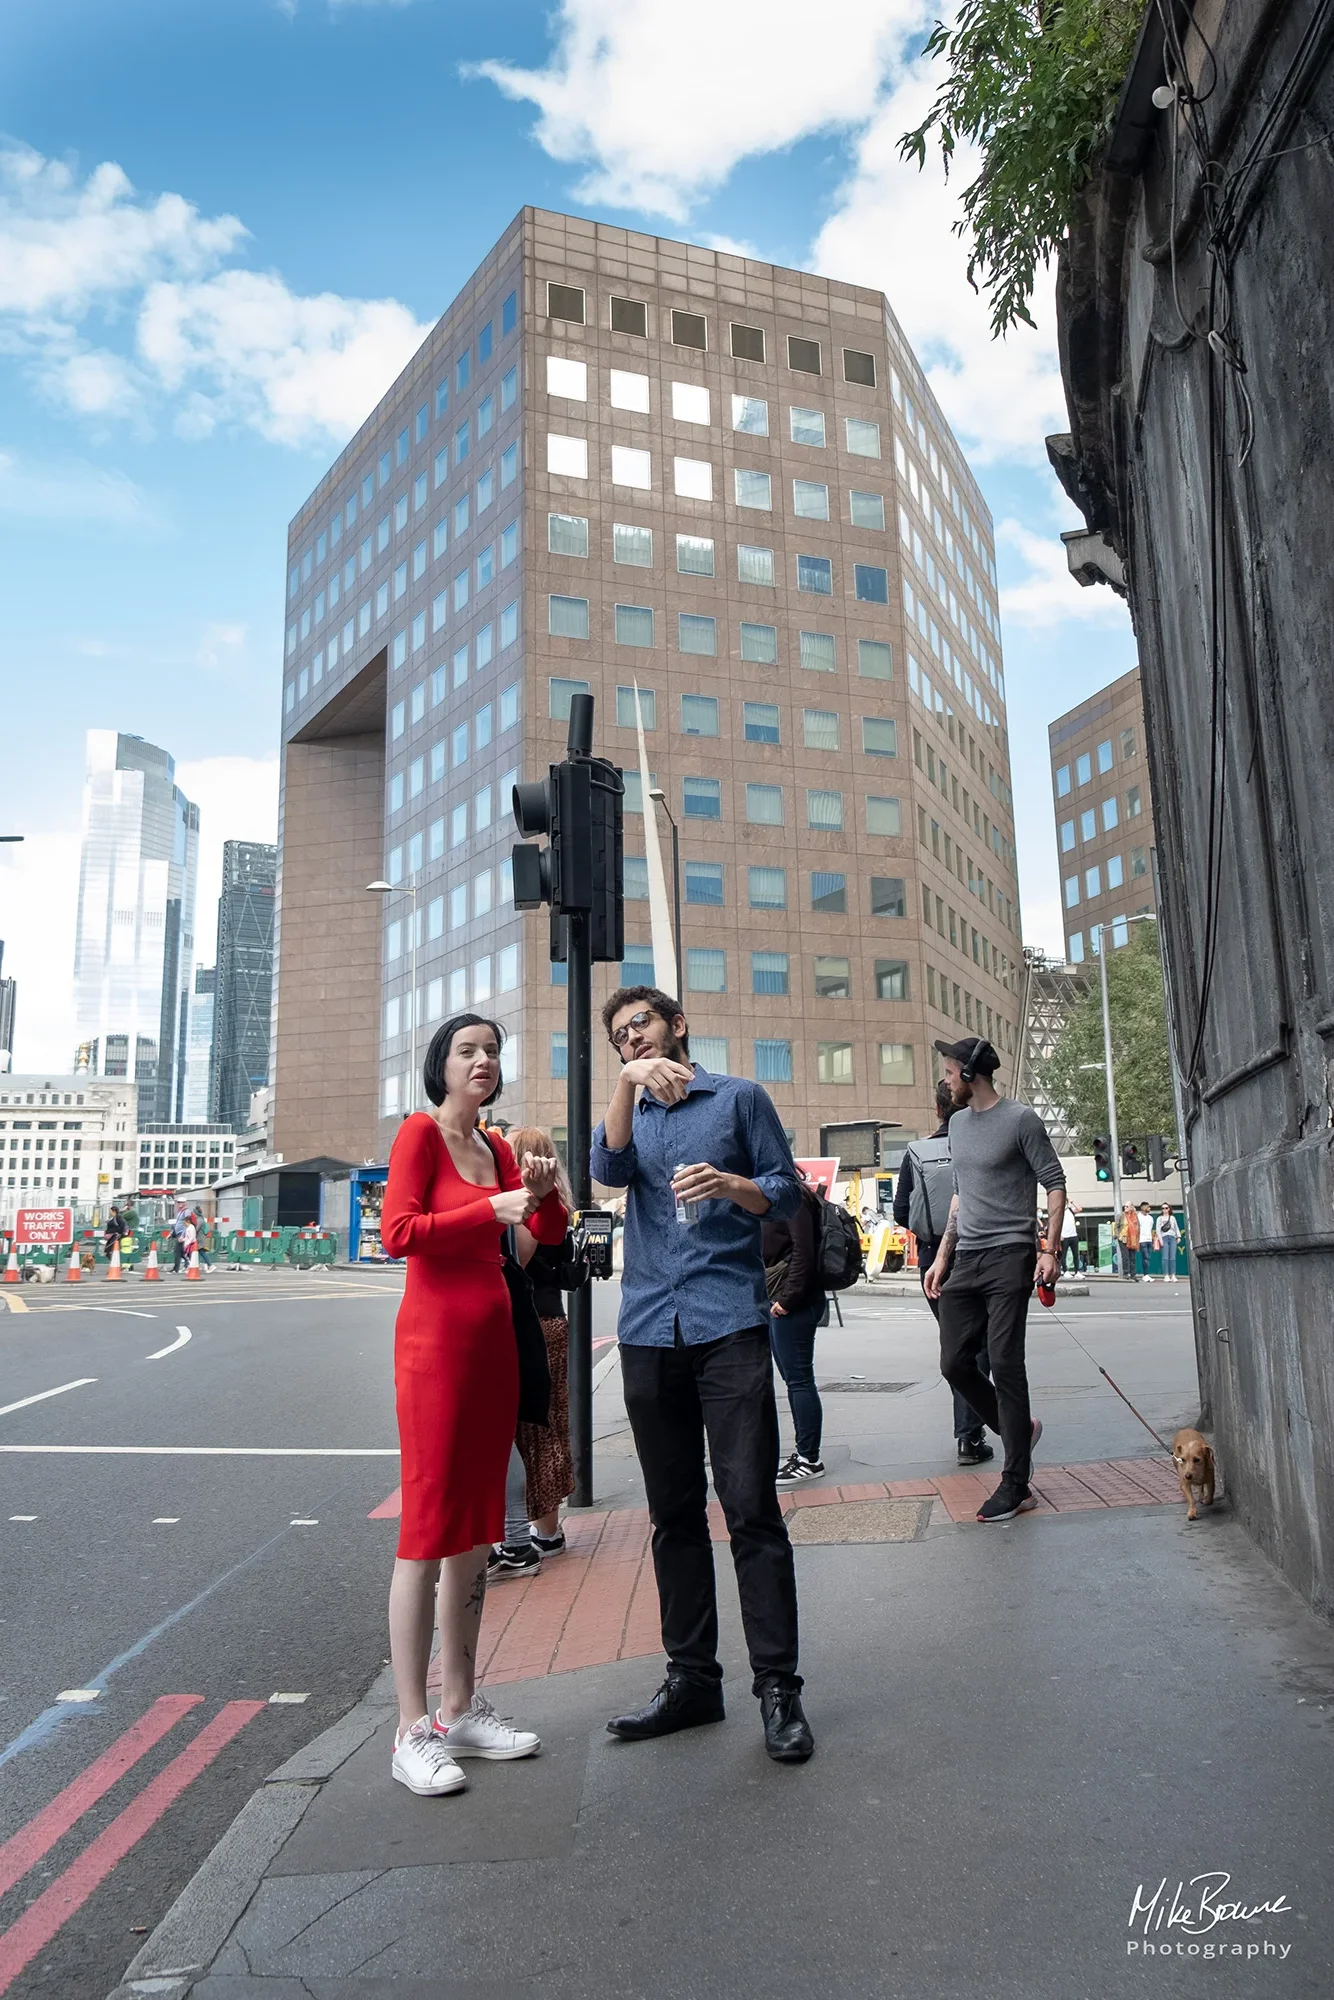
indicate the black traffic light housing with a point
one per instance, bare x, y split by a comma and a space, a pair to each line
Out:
1132, 1161
578, 807
1157, 1151
1102, 1156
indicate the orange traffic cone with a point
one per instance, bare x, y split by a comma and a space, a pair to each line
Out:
12, 1276
150, 1270
113, 1269
193, 1270
74, 1269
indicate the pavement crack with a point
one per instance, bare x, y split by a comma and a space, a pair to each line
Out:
337, 1904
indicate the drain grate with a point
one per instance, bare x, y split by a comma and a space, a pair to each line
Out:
856, 1386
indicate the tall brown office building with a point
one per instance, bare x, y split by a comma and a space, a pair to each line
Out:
619, 461
1104, 816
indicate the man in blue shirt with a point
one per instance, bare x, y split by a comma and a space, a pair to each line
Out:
702, 1159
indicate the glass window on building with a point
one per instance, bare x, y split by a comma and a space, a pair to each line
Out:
866, 510
833, 1062
769, 972
634, 875
701, 798
897, 1063
819, 728
751, 415
1105, 755
824, 811
767, 888
817, 652
625, 708
764, 805
706, 970
560, 693
773, 1062
704, 883
699, 715
632, 545
694, 555
891, 979
696, 634
760, 644
829, 892
567, 534
755, 565
889, 896
833, 977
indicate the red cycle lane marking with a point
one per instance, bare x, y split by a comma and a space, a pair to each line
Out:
31, 1842
40, 1922
390, 1509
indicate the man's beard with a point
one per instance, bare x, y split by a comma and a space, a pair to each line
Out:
674, 1050
962, 1093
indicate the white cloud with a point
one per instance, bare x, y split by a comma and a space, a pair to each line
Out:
247, 349
1049, 595
69, 490
220, 641
665, 101
238, 800
892, 228
228, 346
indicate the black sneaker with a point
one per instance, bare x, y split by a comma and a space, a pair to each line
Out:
796, 1470
1006, 1502
550, 1545
513, 1559
975, 1450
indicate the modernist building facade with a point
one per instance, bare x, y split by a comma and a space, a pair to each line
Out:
621, 463
1104, 816
66, 1142
134, 948
243, 986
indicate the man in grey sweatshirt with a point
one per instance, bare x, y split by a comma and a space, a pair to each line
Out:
989, 1257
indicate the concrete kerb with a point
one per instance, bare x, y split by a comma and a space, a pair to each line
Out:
898, 1287
212, 1903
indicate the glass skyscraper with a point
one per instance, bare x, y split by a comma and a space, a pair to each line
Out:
134, 949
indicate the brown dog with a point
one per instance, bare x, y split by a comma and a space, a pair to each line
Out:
1194, 1461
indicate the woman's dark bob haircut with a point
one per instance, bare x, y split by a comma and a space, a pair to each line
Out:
442, 1041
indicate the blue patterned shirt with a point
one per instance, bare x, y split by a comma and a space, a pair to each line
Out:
709, 1274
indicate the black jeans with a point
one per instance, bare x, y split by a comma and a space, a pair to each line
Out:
984, 1310
674, 1396
967, 1423
792, 1337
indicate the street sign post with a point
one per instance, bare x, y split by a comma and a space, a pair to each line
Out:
43, 1226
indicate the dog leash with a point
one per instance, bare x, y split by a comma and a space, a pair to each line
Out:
1108, 1380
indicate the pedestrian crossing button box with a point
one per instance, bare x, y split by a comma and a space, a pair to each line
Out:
595, 1232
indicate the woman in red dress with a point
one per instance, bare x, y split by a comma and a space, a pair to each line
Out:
450, 1195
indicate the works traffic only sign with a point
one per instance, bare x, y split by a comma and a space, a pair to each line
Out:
44, 1225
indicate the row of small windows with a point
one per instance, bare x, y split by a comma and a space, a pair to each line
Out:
490, 889
345, 517
636, 625
1083, 767
692, 478
476, 816
1119, 928
491, 974
1109, 874
1102, 819
692, 403
766, 888
700, 715
835, 1061
957, 1004
686, 329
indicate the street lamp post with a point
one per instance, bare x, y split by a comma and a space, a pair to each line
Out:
1100, 932
659, 797
387, 889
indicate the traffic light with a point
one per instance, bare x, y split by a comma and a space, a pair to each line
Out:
578, 806
1157, 1150
1102, 1157
1132, 1160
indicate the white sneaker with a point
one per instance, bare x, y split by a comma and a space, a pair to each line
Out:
480, 1732
423, 1764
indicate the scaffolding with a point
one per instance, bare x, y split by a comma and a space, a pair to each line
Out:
1051, 992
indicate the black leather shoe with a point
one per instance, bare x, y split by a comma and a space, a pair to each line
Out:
787, 1734
974, 1450
678, 1704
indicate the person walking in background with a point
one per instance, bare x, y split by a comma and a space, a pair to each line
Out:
1000, 1151
179, 1221
702, 1159
450, 1196
1070, 1238
115, 1230
545, 1470
923, 1191
790, 1246
1167, 1235
1127, 1237
1145, 1240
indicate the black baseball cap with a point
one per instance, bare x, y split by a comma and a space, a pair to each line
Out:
972, 1053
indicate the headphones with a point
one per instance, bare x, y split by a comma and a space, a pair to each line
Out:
968, 1070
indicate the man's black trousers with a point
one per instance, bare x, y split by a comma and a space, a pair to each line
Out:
675, 1396
984, 1309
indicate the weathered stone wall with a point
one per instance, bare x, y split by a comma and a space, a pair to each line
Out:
1231, 584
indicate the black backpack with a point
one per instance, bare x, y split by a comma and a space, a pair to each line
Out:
838, 1247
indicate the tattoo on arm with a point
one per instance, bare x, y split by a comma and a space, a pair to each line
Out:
951, 1235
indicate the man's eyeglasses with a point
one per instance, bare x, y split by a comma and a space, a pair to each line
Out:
632, 1026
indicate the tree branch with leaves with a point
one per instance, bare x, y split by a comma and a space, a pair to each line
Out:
1140, 1062
1034, 85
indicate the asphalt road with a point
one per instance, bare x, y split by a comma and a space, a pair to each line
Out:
156, 1571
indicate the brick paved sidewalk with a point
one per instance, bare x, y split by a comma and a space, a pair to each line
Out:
598, 1602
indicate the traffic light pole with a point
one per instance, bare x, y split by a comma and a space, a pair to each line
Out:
1111, 1081
579, 1135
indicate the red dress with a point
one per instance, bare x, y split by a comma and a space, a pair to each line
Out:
456, 1371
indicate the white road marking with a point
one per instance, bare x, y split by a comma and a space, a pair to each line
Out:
123, 1312
303, 1521
182, 1335
23, 1517
24, 1402
280, 1698
165, 1520
15, 1305
197, 1450
79, 1694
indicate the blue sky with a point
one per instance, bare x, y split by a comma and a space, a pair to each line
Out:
223, 228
